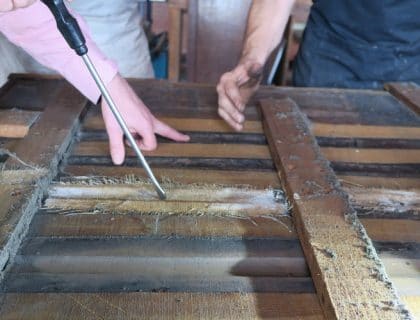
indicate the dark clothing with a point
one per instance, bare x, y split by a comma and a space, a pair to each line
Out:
360, 44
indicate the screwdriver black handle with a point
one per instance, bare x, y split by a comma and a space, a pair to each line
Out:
68, 26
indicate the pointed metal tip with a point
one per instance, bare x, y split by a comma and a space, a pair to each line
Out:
161, 193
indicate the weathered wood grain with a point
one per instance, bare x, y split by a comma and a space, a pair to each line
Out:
257, 178
408, 93
332, 238
97, 148
188, 200
52, 133
240, 306
15, 123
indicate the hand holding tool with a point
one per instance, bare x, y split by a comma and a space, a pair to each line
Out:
71, 31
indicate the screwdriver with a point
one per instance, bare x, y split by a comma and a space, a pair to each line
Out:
72, 33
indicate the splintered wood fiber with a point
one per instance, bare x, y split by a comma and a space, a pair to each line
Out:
133, 195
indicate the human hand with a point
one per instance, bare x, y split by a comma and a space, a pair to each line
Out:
138, 118
235, 88
9, 5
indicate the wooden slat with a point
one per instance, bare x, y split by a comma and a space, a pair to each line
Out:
72, 223
329, 231
162, 306
256, 179
392, 230
385, 203
379, 182
95, 148
365, 131
188, 200
319, 129
390, 156
15, 123
177, 264
408, 93
186, 124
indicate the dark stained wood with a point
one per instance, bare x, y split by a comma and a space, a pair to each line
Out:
408, 93
30, 92
356, 125
321, 214
51, 135
180, 162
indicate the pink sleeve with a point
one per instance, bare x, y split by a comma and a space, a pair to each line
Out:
34, 29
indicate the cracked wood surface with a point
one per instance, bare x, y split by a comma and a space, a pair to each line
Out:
349, 278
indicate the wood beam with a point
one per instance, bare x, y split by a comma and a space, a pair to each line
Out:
349, 277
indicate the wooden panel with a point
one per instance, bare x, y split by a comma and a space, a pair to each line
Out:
216, 33
15, 123
332, 238
162, 306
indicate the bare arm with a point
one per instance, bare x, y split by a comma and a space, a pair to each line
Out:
266, 23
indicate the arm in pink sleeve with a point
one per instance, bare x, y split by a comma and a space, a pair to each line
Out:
34, 29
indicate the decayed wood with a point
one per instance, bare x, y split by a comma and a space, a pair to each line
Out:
15, 123
408, 93
347, 274
385, 203
50, 136
258, 179
36, 157
183, 200
162, 305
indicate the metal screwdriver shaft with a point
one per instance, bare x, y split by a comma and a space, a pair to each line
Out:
72, 33
120, 120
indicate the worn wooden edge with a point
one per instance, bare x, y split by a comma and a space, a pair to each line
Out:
349, 277
162, 305
406, 92
15, 123
59, 123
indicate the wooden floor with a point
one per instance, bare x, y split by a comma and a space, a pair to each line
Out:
101, 246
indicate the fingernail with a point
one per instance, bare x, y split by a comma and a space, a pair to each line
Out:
118, 159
